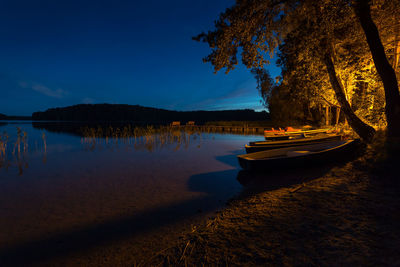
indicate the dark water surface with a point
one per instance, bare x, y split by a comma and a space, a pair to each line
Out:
63, 195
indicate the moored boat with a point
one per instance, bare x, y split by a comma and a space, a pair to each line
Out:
299, 156
277, 137
266, 145
291, 132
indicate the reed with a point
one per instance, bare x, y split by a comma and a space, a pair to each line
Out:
142, 138
17, 145
18, 150
15, 154
3, 147
25, 141
44, 142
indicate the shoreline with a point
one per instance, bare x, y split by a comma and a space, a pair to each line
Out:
348, 216
326, 216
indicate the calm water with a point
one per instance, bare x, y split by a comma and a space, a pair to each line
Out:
60, 186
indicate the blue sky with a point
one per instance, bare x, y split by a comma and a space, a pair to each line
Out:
60, 53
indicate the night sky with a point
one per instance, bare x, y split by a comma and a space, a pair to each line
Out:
59, 53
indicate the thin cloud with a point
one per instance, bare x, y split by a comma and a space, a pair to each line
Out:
231, 99
240, 92
88, 100
44, 90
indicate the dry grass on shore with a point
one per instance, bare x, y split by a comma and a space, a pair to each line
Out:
347, 217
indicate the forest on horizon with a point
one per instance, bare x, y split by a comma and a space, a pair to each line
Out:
136, 113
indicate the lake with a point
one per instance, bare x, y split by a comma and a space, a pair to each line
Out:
71, 199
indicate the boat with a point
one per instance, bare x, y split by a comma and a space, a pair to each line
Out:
280, 131
299, 156
267, 145
294, 133
280, 134
279, 137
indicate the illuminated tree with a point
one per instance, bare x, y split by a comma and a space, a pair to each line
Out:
385, 70
315, 33
352, 61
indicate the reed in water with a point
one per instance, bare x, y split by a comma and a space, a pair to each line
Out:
15, 153
142, 138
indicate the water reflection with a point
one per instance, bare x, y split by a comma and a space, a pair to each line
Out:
15, 148
98, 137
79, 128
91, 236
101, 189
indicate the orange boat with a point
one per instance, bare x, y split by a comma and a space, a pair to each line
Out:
292, 132
281, 131
281, 134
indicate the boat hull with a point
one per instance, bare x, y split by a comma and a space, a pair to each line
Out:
336, 151
283, 136
277, 137
261, 146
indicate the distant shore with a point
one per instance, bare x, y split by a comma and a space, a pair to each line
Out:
137, 113
15, 118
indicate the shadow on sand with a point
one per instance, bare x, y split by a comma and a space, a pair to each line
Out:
257, 182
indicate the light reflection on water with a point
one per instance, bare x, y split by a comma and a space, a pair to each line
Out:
125, 187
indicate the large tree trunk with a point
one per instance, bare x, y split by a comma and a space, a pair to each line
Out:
396, 54
385, 70
365, 131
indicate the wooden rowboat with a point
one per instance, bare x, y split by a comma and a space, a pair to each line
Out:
267, 145
272, 135
299, 156
280, 137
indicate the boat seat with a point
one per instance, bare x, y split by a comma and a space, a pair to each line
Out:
297, 153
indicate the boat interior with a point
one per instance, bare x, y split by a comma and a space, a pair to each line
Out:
295, 151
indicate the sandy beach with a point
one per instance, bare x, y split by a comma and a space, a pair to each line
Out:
346, 217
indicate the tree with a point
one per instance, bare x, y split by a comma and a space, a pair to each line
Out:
385, 70
351, 58
285, 109
315, 30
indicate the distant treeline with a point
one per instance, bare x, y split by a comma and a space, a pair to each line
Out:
139, 114
10, 118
